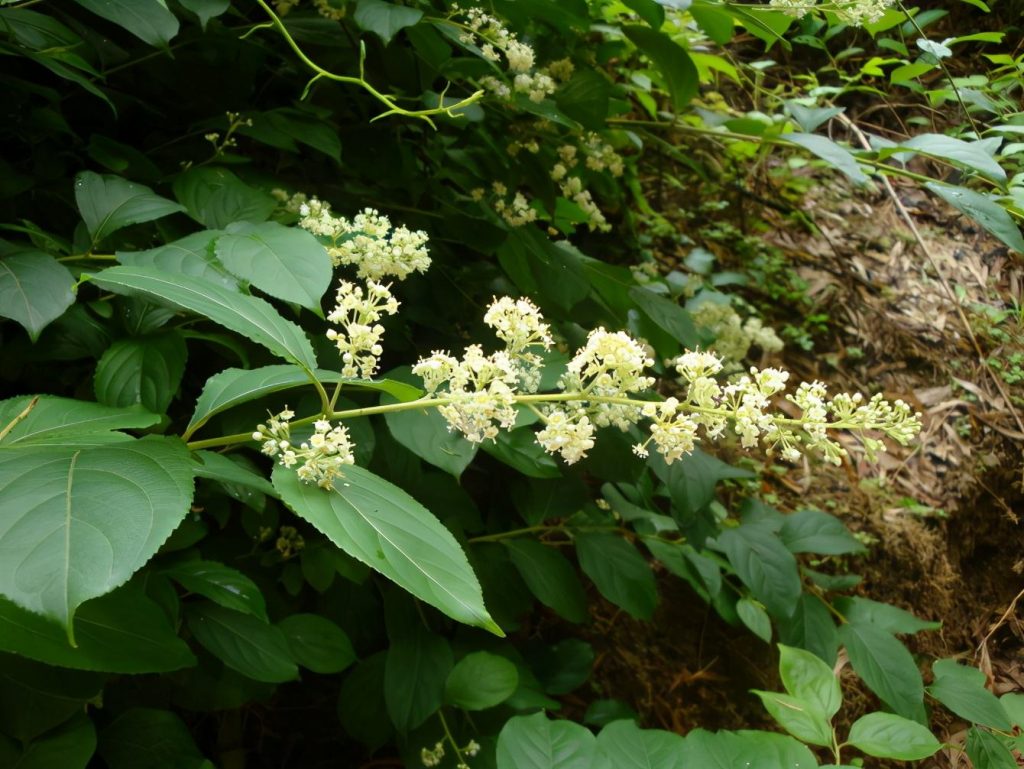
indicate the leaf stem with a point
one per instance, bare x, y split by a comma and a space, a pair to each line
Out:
14, 422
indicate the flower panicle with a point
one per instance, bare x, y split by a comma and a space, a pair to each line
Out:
318, 459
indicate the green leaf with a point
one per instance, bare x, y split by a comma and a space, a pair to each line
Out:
813, 531
215, 197
519, 449
142, 370
962, 690
284, 262
812, 628
69, 746
377, 523
481, 680
764, 565
156, 739
550, 577
753, 615
243, 642
649, 10
223, 468
805, 676
246, 315
108, 203
626, 746
691, 481
885, 735
361, 707
987, 751
59, 543
585, 98
730, 750
317, 643
716, 22
425, 433
122, 632
191, 255
53, 421
206, 9
234, 386
35, 698
148, 20
1013, 704
562, 667
983, 209
799, 717
885, 616
621, 574
35, 290
836, 156
536, 742
221, 584
671, 59
668, 315
886, 667
950, 149
36, 30
414, 678
385, 19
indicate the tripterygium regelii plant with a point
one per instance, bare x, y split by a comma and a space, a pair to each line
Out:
604, 384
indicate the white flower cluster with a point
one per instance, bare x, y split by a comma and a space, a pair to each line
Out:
855, 12
572, 186
431, 757
481, 388
322, 457
733, 336
358, 311
325, 8
517, 211
602, 156
494, 38
367, 241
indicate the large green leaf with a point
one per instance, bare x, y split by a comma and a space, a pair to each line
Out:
285, 262
814, 531
156, 739
885, 616
317, 643
53, 420
886, 667
148, 20
627, 746
34, 697
221, 584
735, 750
667, 315
970, 155
550, 577
988, 751
361, 707
243, 642
122, 632
215, 198
142, 370
536, 742
983, 209
835, 155
481, 680
246, 315
191, 255
672, 61
77, 523
764, 565
69, 746
377, 523
35, 290
417, 667
801, 718
235, 386
621, 574
962, 690
885, 735
108, 203
805, 676
385, 19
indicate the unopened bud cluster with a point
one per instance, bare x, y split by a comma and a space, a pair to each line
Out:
319, 459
